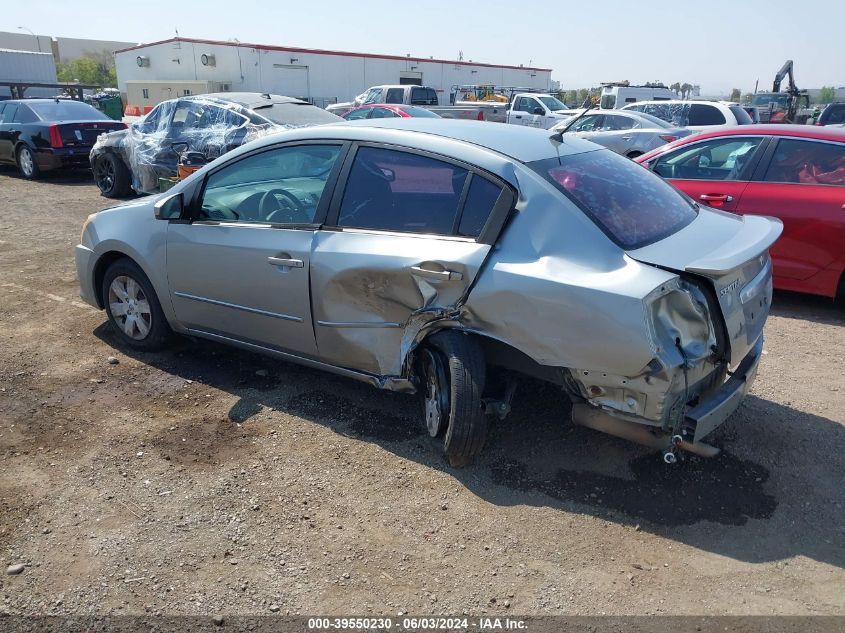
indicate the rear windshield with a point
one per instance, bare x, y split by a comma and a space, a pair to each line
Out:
296, 114
633, 206
66, 111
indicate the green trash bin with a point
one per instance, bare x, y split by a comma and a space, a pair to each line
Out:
112, 107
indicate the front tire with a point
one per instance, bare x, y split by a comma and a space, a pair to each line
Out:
111, 176
453, 375
133, 308
27, 165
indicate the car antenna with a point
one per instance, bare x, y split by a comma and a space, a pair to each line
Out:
588, 105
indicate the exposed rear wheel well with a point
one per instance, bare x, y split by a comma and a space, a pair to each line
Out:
100, 268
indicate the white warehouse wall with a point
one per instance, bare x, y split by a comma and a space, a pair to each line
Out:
318, 75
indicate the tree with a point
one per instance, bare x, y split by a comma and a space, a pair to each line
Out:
92, 68
685, 90
736, 94
827, 94
675, 87
583, 95
746, 98
571, 97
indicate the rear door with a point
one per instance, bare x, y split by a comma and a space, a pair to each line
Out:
403, 243
240, 269
802, 182
713, 171
7, 135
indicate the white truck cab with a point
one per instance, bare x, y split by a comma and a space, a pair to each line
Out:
537, 109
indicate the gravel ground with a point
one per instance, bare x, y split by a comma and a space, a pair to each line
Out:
206, 480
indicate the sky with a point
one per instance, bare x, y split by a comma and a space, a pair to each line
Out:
718, 44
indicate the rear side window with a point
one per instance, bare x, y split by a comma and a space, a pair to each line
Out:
481, 199
9, 112
395, 95
808, 163
633, 206
423, 96
25, 115
389, 190
701, 114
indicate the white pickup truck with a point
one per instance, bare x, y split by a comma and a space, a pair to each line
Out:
537, 109
425, 97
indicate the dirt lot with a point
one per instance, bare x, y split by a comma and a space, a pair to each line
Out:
206, 480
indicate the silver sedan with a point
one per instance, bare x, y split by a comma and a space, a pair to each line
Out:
414, 254
628, 133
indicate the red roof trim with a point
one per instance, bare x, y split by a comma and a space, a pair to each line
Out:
317, 51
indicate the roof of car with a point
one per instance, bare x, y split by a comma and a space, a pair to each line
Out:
248, 99
805, 131
523, 143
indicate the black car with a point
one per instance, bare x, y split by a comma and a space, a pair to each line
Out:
210, 125
38, 135
833, 114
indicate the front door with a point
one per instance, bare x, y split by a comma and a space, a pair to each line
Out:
714, 172
240, 269
403, 246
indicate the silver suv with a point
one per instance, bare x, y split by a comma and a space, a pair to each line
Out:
413, 254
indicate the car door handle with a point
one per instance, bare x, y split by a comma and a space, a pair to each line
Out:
716, 197
445, 275
290, 263
518, 116
626, 138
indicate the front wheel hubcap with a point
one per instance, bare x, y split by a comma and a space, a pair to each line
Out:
130, 307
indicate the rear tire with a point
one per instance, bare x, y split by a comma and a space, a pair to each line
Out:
457, 390
27, 165
111, 176
133, 308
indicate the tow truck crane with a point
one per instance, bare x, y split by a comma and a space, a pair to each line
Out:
783, 107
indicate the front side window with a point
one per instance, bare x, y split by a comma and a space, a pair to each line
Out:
390, 190
721, 159
588, 123
630, 204
834, 114
354, 115
808, 163
526, 104
279, 186
382, 113
617, 122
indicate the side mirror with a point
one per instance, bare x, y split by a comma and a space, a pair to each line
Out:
179, 147
389, 174
539, 110
169, 208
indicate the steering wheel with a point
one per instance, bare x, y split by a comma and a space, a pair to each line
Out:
292, 211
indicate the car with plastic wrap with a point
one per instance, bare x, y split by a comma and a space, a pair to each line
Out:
418, 254
136, 158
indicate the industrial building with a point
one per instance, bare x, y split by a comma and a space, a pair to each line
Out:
150, 73
63, 49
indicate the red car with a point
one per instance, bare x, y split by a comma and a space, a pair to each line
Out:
387, 111
792, 172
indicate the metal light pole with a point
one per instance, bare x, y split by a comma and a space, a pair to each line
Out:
37, 39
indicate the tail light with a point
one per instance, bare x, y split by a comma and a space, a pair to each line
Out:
55, 137
818, 122
668, 138
480, 116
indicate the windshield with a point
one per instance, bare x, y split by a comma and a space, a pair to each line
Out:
779, 99
66, 111
552, 104
633, 206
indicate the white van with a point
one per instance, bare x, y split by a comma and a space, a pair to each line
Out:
615, 96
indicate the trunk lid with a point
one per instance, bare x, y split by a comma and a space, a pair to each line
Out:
732, 253
85, 133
